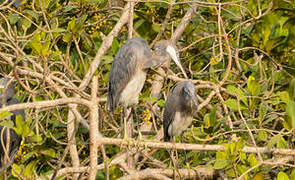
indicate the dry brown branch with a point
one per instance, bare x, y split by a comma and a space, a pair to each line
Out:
195, 147
194, 2
130, 22
198, 173
93, 128
120, 158
46, 104
71, 132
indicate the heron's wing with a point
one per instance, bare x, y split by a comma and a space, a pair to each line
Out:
128, 60
171, 107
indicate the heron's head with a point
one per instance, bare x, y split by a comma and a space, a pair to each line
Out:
166, 49
189, 94
6, 89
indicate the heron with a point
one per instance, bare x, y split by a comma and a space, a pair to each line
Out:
9, 140
129, 69
179, 109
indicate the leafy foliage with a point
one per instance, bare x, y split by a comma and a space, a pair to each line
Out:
59, 39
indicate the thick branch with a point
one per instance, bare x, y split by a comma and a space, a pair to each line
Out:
195, 147
93, 129
45, 104
198, 173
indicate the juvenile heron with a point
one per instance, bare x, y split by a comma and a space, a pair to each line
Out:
129, 69
179, 108
9, 139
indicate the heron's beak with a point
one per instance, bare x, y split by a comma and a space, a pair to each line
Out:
172, 52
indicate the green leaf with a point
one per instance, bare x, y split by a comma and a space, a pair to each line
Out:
206, 120
31, 13
79, 23
282, 143
262, 135
7, 123
293, 174
30, 170
156, 27
36, 138
213, 115
19, 126
115, 46
221, 155
233, 104
67, 37
13, 18
292, 89
45, 48
252, 160
284, 95
36, 43
161, 103
253, 86
240, 145
221, 163
16, 170
48, 152
273, 141
25, 23
290, 110
283, 176
243, 157
69, 8
71, 25
5, 114
262, 112
232, 89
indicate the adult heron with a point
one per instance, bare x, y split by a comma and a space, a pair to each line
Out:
129, 70
9, 139
179, 108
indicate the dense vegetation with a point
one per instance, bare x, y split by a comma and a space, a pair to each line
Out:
239, 54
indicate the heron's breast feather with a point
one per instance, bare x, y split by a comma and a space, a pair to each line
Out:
132, 90
180, 123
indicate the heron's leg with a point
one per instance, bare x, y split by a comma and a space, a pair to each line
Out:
184, 154
129, 123
125, 122
175, 161
137, 122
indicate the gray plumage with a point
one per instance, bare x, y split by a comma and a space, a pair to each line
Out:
6, 89
6, 95
179, 108
129, 69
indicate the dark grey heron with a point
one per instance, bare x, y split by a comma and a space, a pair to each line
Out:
179, 108
9, 139
129, 70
